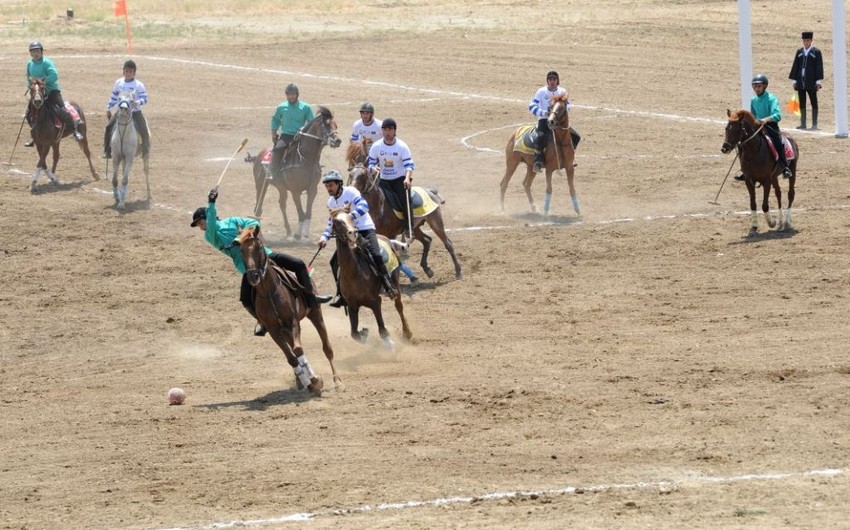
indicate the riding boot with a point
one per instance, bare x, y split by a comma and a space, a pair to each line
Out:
802, 119
538, 162
29, 143
78, 135
389, 288
814, 119
338, 300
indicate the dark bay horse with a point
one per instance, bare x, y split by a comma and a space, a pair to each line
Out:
280, 311
358, 283
47, 131
744, 133
560, 154
126, 145
300, 170
388, 224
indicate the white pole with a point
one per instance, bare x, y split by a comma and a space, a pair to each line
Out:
839, 60
745, 51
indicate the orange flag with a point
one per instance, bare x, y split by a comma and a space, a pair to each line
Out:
793, 105
120, 7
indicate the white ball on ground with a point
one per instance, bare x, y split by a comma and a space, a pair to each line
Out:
176, 396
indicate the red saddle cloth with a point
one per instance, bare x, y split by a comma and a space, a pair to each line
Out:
789, 151
267, 156
72, 111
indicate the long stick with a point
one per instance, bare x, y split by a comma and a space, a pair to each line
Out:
314, 256
16, 139
724, 181
409, 214
241, 146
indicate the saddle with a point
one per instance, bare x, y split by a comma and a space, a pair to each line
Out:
75, 116
525, 140
789, 149
421, 203
289, 280
387, 254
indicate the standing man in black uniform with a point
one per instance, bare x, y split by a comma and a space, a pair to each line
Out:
807, 75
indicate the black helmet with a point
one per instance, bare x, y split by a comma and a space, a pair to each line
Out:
199, 215
35, 45
389, 123
553, 75
367, 107
760, 78
291, 88
130, 64
332, 176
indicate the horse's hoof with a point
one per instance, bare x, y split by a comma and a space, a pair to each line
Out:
363, 335
458, 275
429, 273
32, 187
389, 344
316, 385
753, 232
771, 222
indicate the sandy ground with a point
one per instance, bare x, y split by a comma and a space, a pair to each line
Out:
676, 372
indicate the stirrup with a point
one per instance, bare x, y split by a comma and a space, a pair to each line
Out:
78, 136
339, 301
786, 173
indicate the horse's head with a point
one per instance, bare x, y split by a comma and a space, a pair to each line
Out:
359, 177
358, 152
326, 129
253, 254
559, 115
738, 129
36, 90
343, 225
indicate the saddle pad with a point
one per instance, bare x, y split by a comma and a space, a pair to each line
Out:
421, 203
390, 257
524, 139
266, 156
789, 149
73, 111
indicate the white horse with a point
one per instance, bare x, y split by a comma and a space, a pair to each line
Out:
126, 145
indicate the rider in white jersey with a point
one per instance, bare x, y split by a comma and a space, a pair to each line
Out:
540, 107
367, 126
391, 158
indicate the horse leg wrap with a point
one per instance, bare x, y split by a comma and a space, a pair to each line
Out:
547, 202
576, 205
304, 371
754, 218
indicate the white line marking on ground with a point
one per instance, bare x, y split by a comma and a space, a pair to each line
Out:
569, 490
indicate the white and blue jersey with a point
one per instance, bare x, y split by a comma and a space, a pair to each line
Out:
393, 160
361, 130
359, 210
542, 101
135, 87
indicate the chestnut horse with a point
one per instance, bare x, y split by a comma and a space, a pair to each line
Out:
359, 284
300, 171
388, 224
47, 131
560, 154
744, 133
358, 152
280, 310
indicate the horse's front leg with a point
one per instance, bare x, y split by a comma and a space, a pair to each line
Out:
311, 196
511, 163
41, 165
382, 329
435, 221
754, 220
296, 198
425, 239
116, 166
303, 371
125, 178
315, 316
547, 199
354, 320
765, 204
405, 329
84, 145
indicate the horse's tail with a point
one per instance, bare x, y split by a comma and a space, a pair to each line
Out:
250, 158
435, 194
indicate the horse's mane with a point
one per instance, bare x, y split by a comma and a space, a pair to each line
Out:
562, 97
248, 232
325, 113
357, 150
743, 114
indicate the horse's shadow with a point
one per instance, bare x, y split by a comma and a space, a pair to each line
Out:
130, 207
44, 189
532, 217
770, 235
278, 397
420, 286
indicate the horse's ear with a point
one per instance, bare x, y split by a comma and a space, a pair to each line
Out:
728, 113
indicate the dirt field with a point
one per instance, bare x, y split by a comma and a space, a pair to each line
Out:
674, 372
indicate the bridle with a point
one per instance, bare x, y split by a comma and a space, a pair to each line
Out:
36, 97
743, 138
371, 179
327, 132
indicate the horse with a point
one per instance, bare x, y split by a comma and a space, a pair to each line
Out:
300, 170
280, 310
359, 284
47, 131
358, 152
744, 133
389, 224
125, 147
560, 154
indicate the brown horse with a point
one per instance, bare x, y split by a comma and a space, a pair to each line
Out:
359, 284
388, 224
744, 133
47, 131
280, 310
560, 154
358, 152
300, 171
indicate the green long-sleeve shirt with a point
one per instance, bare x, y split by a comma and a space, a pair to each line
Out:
290, 118
221, 232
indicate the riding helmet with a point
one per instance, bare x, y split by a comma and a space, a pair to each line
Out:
367, 107
291, 88
553, 75
389, 123
130, 63
760, 78
199, 215
332, 176
35, 45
